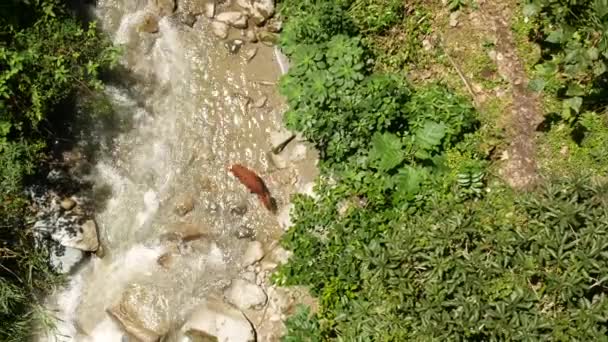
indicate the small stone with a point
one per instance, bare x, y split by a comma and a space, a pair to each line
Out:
253, 253
185, 205
250, 54
245, 295
427, 45
234, 19
234, 45
454, 18
68, 204
220, 29
261, 102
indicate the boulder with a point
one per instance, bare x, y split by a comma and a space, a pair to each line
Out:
233, 18
217, 321
253, 253
142, 312
83, 237
245, 295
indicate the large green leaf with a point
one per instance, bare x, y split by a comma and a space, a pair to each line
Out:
386, 151
428, 137
407, 181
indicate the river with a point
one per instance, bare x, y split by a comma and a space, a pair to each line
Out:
193, 109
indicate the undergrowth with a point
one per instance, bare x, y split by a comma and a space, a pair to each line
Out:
409, 236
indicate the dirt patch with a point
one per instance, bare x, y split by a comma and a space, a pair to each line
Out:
523, 116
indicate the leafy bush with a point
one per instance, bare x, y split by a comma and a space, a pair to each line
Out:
574, 38
532, 269
405, 239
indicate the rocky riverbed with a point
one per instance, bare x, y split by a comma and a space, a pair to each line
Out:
162, 242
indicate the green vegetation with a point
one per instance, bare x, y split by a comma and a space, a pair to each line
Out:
46, 57
574, 42
410, 236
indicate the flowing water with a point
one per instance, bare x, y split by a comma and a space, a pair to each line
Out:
186, 102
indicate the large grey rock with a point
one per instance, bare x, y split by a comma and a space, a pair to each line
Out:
220, 322
83, 237
245, 295
142, 312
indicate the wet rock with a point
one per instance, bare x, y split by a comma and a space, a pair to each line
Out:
253, 253
68, 204
250, 54
149, 24
234, 19
142, 312
233, 46
220, 29
218, 321
187, 19
164, 7
194, 7
245, 295
274, 25
244, 232
262, 11
83, 237
259, 103
185, 205
250, 37
65, 259
166, 260
268, 38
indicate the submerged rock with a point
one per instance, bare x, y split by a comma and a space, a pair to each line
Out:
245, 295
185, 204
217, 321
149, 24
220, 29
233, 46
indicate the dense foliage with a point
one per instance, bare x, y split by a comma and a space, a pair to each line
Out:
46, 56
574, 36
405, 239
